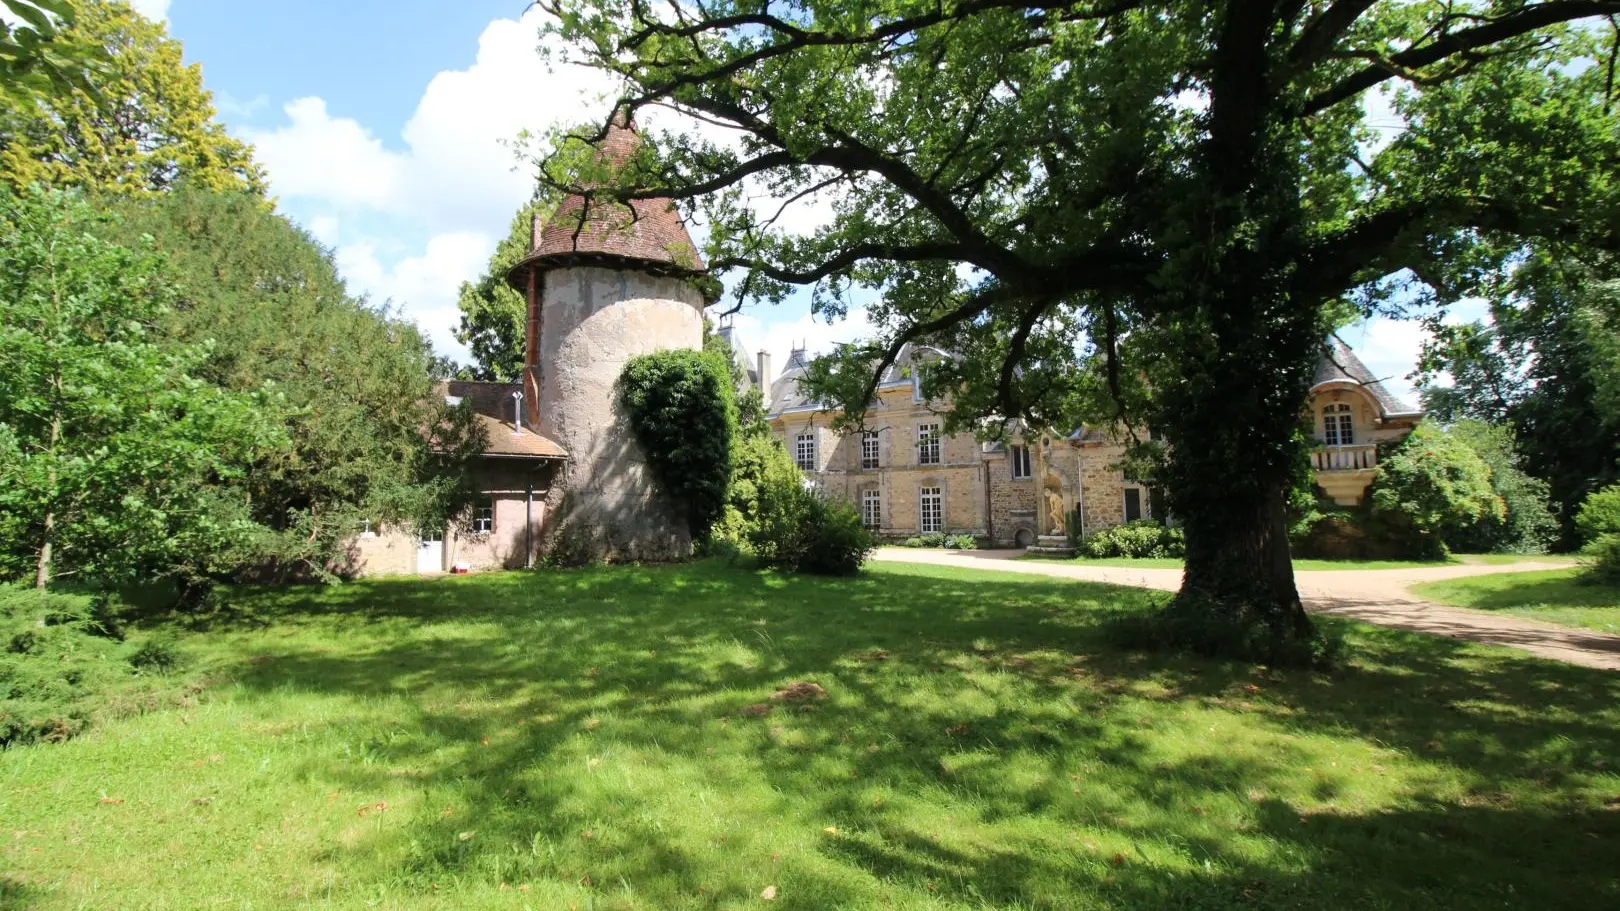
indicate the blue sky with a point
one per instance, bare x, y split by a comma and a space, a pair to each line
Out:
381, 126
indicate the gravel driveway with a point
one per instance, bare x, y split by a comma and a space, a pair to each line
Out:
1380, 596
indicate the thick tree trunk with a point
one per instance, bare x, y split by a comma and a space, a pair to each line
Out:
1243, 354
1240, 557
1234, 447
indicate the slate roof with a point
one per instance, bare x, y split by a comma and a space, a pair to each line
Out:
492, 403
1339, 364
785, 394
647, 232
739, 353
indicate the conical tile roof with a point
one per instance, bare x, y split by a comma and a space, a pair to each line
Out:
646, 232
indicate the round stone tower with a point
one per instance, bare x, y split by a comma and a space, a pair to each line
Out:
605, 282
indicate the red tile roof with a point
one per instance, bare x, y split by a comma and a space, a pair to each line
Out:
492, 403
646, 231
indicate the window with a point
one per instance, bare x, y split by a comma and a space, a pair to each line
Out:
931, 510
1338, 426
484, 517
804, 452
869, 449
1020, 463
1133, 504
927, 444
871, 509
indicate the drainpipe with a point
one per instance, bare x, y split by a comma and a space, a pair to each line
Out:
528, 527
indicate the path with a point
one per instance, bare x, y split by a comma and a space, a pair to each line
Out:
1378, 596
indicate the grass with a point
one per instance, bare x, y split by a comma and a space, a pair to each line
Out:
1509, 559
1176, 563
578, 740
1553, 596
1310, 565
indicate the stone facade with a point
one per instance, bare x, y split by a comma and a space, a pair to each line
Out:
592, 320
1080, 475
904, 467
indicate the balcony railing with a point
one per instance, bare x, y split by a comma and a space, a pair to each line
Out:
1362, 457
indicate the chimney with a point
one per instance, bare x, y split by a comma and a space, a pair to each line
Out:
764, 370
517, 413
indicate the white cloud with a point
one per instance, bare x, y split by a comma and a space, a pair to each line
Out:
332, 159
424, 286
156, 10
450, 179
1390, 347
757, 330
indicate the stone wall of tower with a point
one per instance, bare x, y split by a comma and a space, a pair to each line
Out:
591, 321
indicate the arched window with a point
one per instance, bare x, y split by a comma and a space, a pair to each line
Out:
1338, 426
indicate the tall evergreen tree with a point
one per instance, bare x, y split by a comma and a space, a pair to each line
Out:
370, 441
113, 454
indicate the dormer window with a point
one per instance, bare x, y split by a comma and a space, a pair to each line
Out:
1338, 425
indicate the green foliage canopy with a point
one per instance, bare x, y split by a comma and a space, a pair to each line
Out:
1019, 182
1548, 365
112, 450
1527, 524
682, 407
369, 438
34, 58
493, 315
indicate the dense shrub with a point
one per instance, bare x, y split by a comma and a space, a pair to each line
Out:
61, 667
1599, 524
784, 523
683, 410
1604, 567
940, 539
833, 541
1430, 487
1142, 538
1528, 523
1599, 515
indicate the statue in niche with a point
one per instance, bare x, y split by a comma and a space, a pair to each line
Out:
1056, 523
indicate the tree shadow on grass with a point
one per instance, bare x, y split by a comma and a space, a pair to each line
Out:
16, 895
977, 733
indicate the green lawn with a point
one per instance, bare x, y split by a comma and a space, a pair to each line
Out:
1552, 595
1175, 563
584, 740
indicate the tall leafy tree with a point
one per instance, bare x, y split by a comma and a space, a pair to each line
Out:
1548, 365
493, 315
1024, 180
112, 452
369, 438
146, 123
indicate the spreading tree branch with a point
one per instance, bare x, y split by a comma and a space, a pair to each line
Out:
1454, 44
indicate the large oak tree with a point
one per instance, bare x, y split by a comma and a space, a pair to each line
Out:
1180, 192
